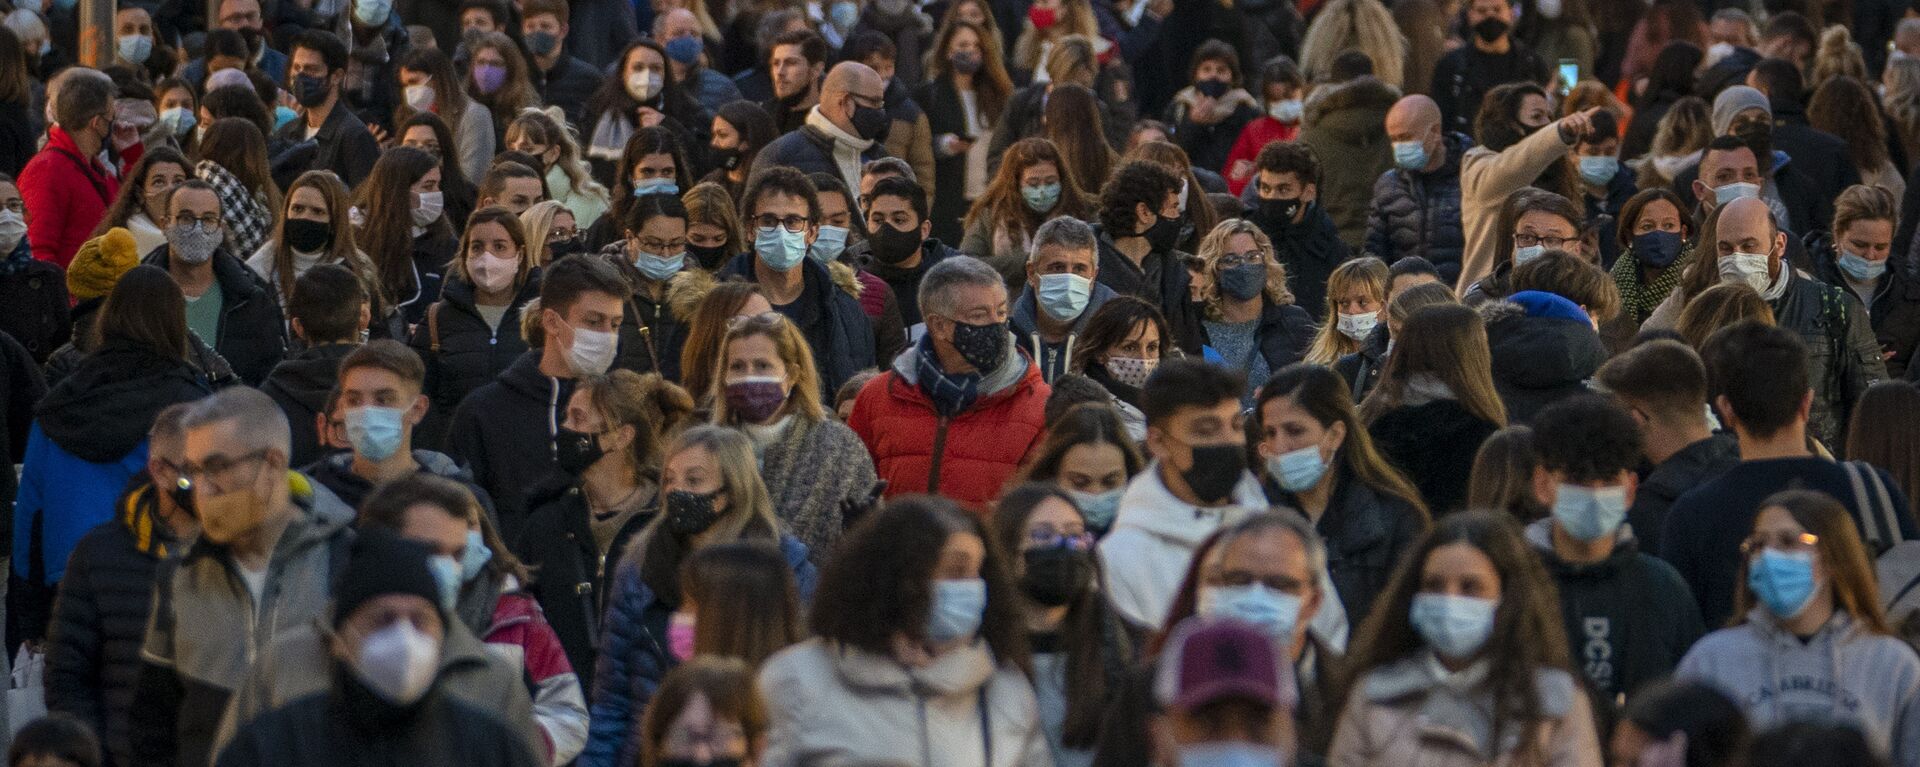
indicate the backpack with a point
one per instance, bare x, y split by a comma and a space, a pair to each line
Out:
1879, 520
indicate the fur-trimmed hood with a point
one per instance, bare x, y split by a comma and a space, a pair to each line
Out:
1362, 97
686, 290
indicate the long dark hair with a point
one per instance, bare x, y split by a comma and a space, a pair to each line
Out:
1088, 423
643, 142
612, 97
134, 189
1884, 421
879, 583
1074, 127
454, 184
238, 146
1114, 322
745, 601
1002, 202
1527, 632
450, 99
1324, 395
756, 129
1082, 632
146, 309
386, 203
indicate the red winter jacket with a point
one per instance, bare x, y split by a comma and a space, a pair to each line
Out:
970, 457
1257, 134
520, 630
66, 195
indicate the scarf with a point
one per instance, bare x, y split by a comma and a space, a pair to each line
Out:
1638, 300
951, 394
19, 259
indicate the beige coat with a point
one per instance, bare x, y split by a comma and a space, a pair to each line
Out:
1405, 715
830, 705
1487, 179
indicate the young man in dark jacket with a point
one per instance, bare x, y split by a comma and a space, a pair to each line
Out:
1416, 203
901, 244
1140, 223
1629, 617
1287, 181
228, 305
100, 618
328, 312
564, 81
319, 74
381, 407
1663, 383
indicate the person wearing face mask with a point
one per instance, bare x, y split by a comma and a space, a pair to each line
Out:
504, 430
842, 246
228, 305
394, 673
429, 84
1416, 203
783, 213
101, 614
1604, 185
1652, 235
33, 293
710, 493
1287, 210
1491, 58
1806, 612
472, 333
1519, 147
65, 187
909, 135
666, 287
269, 537
1799, 185
1209, 115
1061, 294
640, 96
965, 94
319, 73
899, 244
961, 408
1080, 647
1630, 614
842, 132
562, 79
482, 588
566, 174
1282, 89
1858, 255
1468, 644
917, 653
1139, 226
1252, 322
817, 470
681, 32
1319, 459
1356, 310
1090, 455
1539, 221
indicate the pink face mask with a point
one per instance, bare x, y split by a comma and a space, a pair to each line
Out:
680, 636
492, 273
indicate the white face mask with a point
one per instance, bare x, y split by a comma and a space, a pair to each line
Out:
592, 351
419, 97
1753, 269
491, 273
398, 662
431, 204
1358, 326
642, 86
12, 229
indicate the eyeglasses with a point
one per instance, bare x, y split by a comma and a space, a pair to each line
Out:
1530, 240
220, 468
17, 205
653, 245
1281, 583
763, 320
1779, 542
1232, 260
790, 223
209, 221
1048, 537
559, 235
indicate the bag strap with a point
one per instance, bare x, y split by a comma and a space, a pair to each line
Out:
1878, 530
433, 326
1912, 582
1884, 502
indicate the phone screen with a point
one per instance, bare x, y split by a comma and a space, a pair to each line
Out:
1569, 74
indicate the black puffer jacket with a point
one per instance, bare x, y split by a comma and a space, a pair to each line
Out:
1418, 213
100, 619
300, 385
1895, 309
1538, 361
1366, 531
503, 432
1434, 445
33, 302
654, 331
253, 332
462, 353
572, 582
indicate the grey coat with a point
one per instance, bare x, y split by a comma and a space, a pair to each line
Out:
814, 471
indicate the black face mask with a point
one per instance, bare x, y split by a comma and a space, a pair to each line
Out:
871, 123
575, 451
1212, 89
724, 159
982, 346
690, 513
1055, 576
562, 248
1216, 470
1163, 235
710, 257
310, 91
308, 236
1276, 215
1489, 30
891, 246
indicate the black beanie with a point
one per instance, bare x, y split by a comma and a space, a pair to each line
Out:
384, 563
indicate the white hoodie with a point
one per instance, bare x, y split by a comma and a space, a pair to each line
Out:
1154, 536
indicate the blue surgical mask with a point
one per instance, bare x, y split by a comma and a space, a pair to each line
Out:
1456, 627
178, 120
1041, 198
1229, 754
446, 574
1782, 580
1589, 514
1658, 249
1064, 296
829, 244
283, 114
778, 248
372, 13
656, 185
375, 431
1735, 191
957, 609
1297, 470
1599, 170
1528, 253
844, 14
659, 268
1099, 509
1274, 612
1859, 267
474, 558
1410, 155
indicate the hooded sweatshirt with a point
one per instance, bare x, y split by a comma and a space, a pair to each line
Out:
299, 385
1054, 360
1629, 617
1842, 672
1544, 350
1154, 537
504, 431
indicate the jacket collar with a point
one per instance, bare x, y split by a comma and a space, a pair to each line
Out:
1149, 506
959, 671
819, 122
1453, 706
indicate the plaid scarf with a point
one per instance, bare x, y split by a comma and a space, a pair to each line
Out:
1637, 300
951, 394
247, 217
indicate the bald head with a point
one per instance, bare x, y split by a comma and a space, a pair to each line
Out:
1416, 118
1746, 225
850, 85
674, 24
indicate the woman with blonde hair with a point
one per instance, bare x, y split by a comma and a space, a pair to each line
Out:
1251, 320
552, 232
428, 84
543, 135
1678, 140
314, 229
710, 493
765, 385
1356, 297
1032, 186
714, 231
716, 312
1902, 81
1436, 402
1354, 25
1837, 56
1048, 21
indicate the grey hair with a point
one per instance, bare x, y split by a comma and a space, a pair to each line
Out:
261, 423
1274, 518
957, 271
169, 429
78, 94
893, 165
1065, 232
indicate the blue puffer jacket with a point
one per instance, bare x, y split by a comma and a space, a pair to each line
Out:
634, 656
1418, 214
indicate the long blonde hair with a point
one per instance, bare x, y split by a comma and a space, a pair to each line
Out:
1449, 343
1215, 246
803, 398
1903, 100
1075, 18
659, 551
1368, 274
1363, 25
543, 127
538, 223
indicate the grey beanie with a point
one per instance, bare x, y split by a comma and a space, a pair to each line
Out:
1732, 101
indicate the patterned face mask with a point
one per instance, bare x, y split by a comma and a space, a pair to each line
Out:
1131, 371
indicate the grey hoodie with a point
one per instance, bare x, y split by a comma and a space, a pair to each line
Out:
1843, 672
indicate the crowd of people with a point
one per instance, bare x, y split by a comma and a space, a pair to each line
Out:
1184, 383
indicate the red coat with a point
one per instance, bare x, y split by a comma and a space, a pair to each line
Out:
1257, 134
981, 448
66, 196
